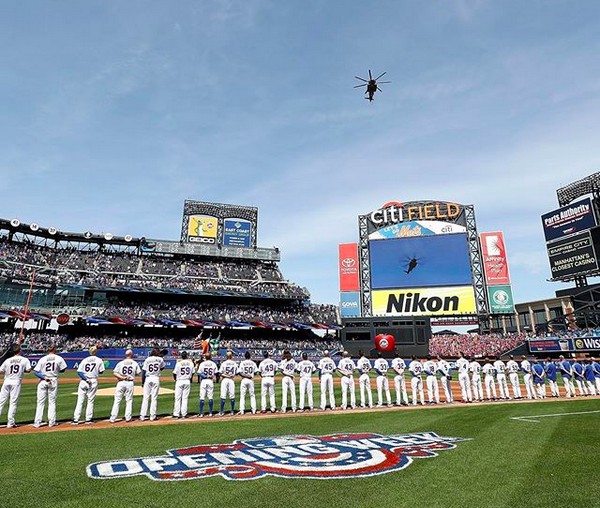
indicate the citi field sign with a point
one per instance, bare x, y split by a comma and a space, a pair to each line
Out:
394, 212
313, 457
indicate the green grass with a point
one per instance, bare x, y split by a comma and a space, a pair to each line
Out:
506, 463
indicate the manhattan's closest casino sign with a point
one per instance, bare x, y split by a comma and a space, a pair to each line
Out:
323, 457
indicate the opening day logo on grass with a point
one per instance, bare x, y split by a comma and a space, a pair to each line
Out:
323, 457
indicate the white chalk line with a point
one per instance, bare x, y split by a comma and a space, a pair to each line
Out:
530, 418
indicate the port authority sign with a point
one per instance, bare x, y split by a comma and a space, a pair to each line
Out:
314, 457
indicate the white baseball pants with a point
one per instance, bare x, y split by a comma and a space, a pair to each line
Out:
465, 387
514, 383
364, 381
477, 388
490, 387
348, 386
288, 385
227, 388
503, 386
46, 391
182, 393
150, 397
10, 393
447, 386
383, 385
400, 386
247, 387
85, 391
416, 386
123, 389
306, 390
433, 390
327, 387
267, 389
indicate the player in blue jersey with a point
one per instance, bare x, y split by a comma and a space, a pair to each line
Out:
590, 378
596, 369
538, 372
579, 380
566, 372
551, 375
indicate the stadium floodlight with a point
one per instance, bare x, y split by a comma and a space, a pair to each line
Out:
33, 226
588, 185
52, 230
128, 238
15, 223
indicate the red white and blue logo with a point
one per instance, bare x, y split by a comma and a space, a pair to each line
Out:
323, 457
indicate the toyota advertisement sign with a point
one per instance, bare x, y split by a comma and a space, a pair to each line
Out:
349, 269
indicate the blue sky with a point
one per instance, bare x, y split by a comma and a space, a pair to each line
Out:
115, 112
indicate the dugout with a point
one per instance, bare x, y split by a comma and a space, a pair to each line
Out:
412, 335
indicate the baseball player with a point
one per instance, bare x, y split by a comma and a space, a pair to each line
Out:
89, 369
433, 390
538, 373
416, 383
346, 368
151, 380
590, 378
596, 369
228, 370
551, 369
326, 368
306, 369
207, 371
462, 365
399, 366
489, 371
267, 369
566, 372
513, 375
500, 369
363, 365
475, 370
445, 371
287, 366
125, 372
579, 380
182, 374
13, 368
47, 370
527, 378
383, 385
246, 369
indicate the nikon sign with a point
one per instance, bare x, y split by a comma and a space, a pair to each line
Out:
439, 301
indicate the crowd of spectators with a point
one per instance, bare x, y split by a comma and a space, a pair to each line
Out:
284, 314
99, 268
474, 344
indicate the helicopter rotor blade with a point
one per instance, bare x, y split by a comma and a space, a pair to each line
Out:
361, 79
359, 86
379, 89
381, 82
381, 75
370, 75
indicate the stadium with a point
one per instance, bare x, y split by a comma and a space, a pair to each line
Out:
426, 334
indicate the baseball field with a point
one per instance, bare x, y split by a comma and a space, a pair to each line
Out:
513, 454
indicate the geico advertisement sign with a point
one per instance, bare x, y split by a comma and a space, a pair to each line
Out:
444, 301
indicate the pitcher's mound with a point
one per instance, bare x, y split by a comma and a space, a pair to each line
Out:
137, 391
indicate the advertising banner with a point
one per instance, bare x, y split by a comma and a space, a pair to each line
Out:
350, 304
569, 219
348, 267
439, 301
202, 229
237, 232
501, 300
572, 255
495, 263
439, 260
417, 228
556, 344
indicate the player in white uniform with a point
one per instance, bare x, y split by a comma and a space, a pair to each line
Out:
500, 369
475, 370
48, 369
416, 382
445, 371
462, 365
513, 375
306, 368
182, 375
383, 385
207, 371
326, 368
13, 368
399, 366
125, 371
528, 378
89, 370
287, 366
433, 390
363, 365
151, 379
267, 369
228, 370
346, 368
489, 371
246, 369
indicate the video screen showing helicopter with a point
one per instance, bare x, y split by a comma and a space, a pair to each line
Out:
423, 261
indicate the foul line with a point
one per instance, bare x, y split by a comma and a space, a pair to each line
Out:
530, 418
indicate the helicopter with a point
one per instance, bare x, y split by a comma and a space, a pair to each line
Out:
372, 85
412, 263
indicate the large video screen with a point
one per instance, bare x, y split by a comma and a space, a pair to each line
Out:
420, 262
